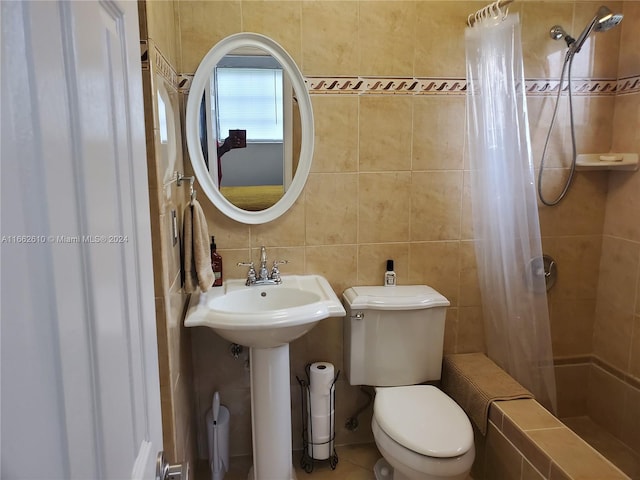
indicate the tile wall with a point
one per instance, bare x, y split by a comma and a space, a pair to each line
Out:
389, 178
164, 157
616, 339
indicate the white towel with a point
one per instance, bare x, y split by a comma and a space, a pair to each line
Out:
197, 256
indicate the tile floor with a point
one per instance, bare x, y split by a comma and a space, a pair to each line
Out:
609, 446
355, 462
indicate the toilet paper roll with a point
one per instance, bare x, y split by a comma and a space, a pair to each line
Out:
319, 404
319, 428
320, 450
321, 376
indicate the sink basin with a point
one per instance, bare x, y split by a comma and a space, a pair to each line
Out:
266, 316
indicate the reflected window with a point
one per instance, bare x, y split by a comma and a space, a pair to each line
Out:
249, 97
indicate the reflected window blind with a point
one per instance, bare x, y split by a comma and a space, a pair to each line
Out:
250, 99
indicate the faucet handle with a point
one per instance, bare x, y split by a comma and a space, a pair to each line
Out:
275, 271
251, 274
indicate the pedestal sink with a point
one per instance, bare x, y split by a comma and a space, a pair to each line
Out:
266, 319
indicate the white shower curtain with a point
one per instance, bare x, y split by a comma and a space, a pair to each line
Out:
506, 226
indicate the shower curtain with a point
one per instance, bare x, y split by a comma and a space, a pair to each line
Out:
506, 226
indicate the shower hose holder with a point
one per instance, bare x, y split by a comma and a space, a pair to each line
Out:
307, 461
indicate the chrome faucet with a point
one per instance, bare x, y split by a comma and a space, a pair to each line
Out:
263, 276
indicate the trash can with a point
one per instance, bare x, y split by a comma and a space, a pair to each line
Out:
218, 433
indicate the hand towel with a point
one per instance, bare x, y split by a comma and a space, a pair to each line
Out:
474, 382
197, 257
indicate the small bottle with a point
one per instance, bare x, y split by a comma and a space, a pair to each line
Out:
389, 275
216, 264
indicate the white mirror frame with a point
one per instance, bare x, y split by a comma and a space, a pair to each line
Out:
200, 79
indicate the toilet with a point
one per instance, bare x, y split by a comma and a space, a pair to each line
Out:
393, 340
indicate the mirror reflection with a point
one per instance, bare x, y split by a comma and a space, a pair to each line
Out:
250, 128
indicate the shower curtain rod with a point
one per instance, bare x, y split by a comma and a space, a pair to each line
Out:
492, 10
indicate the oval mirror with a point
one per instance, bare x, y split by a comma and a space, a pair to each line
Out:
249, 128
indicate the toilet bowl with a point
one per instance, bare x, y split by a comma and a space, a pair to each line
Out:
394, 339
422, 434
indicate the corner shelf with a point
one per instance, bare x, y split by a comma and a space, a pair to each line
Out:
600, 161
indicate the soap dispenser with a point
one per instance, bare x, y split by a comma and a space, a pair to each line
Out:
389, 275
216, 264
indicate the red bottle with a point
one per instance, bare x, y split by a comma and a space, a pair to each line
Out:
216, 264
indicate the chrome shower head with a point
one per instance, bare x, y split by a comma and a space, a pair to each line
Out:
608, 23
603, 20
557, 33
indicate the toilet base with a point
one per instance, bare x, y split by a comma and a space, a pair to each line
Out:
384, 471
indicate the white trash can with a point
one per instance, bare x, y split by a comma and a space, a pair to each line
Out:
218, 433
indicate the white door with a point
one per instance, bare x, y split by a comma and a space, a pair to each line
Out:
79, 368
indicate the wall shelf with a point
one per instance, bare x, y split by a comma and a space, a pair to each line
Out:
607, 161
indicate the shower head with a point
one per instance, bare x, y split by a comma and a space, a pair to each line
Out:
602, 21
557, 33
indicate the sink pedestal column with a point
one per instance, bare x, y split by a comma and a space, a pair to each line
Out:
271, 414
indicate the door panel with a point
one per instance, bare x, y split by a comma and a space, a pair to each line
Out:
78, 320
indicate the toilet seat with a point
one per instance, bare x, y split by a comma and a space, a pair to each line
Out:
415, 465
423, 419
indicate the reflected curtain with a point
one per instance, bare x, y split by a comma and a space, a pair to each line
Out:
506, 226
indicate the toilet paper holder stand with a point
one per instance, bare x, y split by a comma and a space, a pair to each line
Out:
307, 461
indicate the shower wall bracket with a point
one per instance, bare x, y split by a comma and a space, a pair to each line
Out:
607, 161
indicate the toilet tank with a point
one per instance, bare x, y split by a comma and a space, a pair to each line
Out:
393, 335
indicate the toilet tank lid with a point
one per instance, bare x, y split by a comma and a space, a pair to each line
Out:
399, 297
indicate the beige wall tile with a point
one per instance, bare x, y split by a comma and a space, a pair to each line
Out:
435, 146
631, 423
571, 388
331, 206
543, 56
612, 334
626, 134
435, 205
435, 264
582, 210
163, 28
439, 40
634, 358
502, 460
540, 113
605, 401
337, 264
573, 455
330, 38
528, 414
386, 38
385, 131
372, 262
629, 62
287, 230
280, 20
469, 287
466, 227
623, 204
592, 120
450, 331
619, 266
336, 133
470, 334
578, 262
202, 25
384, 205
572, 327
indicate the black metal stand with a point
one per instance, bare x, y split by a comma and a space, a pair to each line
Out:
307, 460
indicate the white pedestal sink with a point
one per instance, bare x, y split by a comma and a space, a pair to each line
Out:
266, 319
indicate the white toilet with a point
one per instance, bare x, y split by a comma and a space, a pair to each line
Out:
393, 338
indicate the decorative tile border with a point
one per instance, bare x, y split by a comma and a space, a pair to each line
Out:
458, 86
446, 86
164, 68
